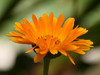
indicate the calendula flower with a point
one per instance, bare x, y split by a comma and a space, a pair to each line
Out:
47, 35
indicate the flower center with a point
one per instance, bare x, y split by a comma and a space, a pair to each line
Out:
49, 40
48, 43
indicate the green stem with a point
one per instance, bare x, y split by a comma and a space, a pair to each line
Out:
46, 66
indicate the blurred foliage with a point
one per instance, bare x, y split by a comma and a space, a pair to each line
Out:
86, 13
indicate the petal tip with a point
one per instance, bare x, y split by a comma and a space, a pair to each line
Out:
72, 18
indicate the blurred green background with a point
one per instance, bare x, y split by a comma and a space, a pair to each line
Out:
13, 60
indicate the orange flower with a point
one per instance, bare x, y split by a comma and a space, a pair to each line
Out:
48, 36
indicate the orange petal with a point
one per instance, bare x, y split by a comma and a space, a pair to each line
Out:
51, 22
51, 17
79, 51
83, 44
46, 23
54, 25
63, 52
30, 28
71, 59
30, 50
36, 24
75, 33
58, 25
53, 51
66, 29
35, 20
14, 34
42, 26
21, 41
37, 50
69, 47
39, 57
48, 40
84, 48
84, 41
18, 27
43, 51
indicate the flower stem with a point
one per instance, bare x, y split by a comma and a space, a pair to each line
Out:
46, 66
